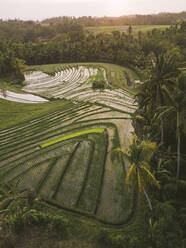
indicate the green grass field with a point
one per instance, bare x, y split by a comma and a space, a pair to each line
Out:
13, 113
110, 29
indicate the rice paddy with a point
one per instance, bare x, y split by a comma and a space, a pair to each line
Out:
66, 156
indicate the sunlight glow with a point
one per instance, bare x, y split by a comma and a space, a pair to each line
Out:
40, 9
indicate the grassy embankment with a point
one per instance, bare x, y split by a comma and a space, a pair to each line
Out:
72, 135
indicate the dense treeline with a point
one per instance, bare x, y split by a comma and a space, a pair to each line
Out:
71, 43
11, 66
161, 118
153, 19
30, 31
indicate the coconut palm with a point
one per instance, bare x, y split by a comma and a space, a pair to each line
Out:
143, 99
139, 155
177, 107
162, 74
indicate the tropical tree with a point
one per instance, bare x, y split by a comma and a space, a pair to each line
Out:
161, 77
177, 107
139, 155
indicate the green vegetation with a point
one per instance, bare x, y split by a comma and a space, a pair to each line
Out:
139, 28
63, 174
10, 65
105, 29
77, 189
72, 135
98, 81
156, 103
117, 76
7, 83
43, 225
13, 113
139, 175
141, 20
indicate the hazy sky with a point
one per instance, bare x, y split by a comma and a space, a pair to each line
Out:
41, 9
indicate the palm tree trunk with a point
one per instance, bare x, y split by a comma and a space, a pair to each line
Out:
158, 103
161, 120
148, 199
178, 144
162, 131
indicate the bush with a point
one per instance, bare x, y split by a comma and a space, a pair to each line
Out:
98, 81
165, 229
118, 240
61, 225
101, 84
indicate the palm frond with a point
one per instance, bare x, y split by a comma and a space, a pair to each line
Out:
148, 149
167, 109
123, 152
150, 177
131, 174
146, 164
168, 93
118, 149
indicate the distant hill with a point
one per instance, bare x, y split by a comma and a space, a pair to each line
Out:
153, 19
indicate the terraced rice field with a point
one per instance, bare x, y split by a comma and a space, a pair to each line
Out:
66, 156
72, 83
24, 98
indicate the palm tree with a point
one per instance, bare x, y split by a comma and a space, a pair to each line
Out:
139, 155
178, 106
162, 74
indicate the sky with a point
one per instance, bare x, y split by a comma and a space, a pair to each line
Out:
42, 9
